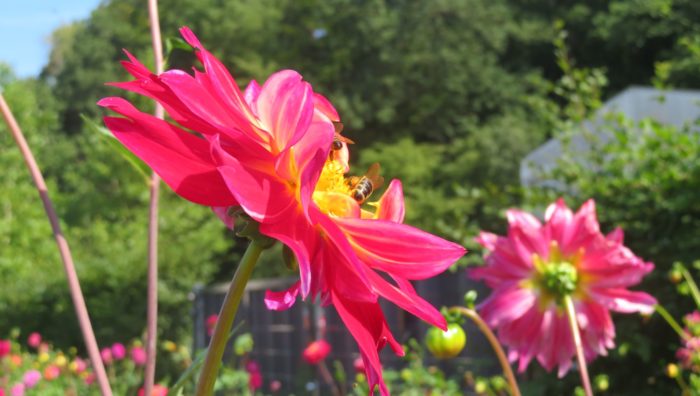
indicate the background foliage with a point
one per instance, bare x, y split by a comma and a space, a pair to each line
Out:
447, 95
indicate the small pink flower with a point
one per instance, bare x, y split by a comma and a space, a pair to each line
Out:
138, 355
79, 365
275, 386
118, 351
106, 354
5, 348
31, 378
359, 365
255, 378
158, 390
34, 340
17, 390
535, 266
90, 379
211, 323
316, 351
51, 372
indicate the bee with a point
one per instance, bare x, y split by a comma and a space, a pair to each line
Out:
338, 140
362, 187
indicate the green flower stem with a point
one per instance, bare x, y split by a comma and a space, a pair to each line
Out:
217, 344
692, 285
685, 390
671, 322
582, 368
500, 354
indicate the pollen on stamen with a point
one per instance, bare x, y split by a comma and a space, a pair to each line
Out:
332, 178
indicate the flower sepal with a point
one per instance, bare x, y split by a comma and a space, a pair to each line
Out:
246, 227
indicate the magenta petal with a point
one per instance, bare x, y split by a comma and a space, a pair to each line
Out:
252, 91
366, 323
506, 304
622, 300
285, 107
325, 107
301, 237
279, 301
406, 298
181, 159
391, 205
400, 249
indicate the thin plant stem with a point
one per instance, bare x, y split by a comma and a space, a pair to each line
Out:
154, 187
328, 378
685, 391
692, 285
500, 354
671, 322
63, 249
582, 367
217, 344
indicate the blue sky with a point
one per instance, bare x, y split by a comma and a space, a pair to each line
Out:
25, 26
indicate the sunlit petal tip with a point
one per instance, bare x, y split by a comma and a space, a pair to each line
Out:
282, 300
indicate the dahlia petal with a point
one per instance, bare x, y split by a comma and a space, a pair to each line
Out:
251, 93
622, 300
262, 196
366, 323
221, 80
285, 107
181, 159
280, 301
390, 206
506, 304
407, 299
487, 240
616, 236
301, 238
400, 249
326, 107
222, 212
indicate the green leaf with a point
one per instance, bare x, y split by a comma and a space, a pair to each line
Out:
107, 136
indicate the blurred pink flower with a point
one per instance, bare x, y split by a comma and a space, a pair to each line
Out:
689, 354
275, 386
5, 348
34, 340
31, 378
138, 355
358, 365
211, 323
17, 390
255, 377
90, 378
79, 365
158, 390
535, 266
106, 354
51, 372
316, 351
118, 351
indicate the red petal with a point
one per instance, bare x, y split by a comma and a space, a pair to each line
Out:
400, 249
181, 159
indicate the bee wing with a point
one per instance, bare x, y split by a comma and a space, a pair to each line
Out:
374, 176
338, 127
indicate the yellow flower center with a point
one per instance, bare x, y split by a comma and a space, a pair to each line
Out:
557, 276
333, 192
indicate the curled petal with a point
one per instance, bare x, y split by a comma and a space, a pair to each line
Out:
391, 205
280, 301
285, 107
622, 300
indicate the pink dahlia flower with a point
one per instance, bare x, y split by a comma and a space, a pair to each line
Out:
34, 340
316, 351
533, 267
5, 348
31, 378
273, 151
118, 351
138, 356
